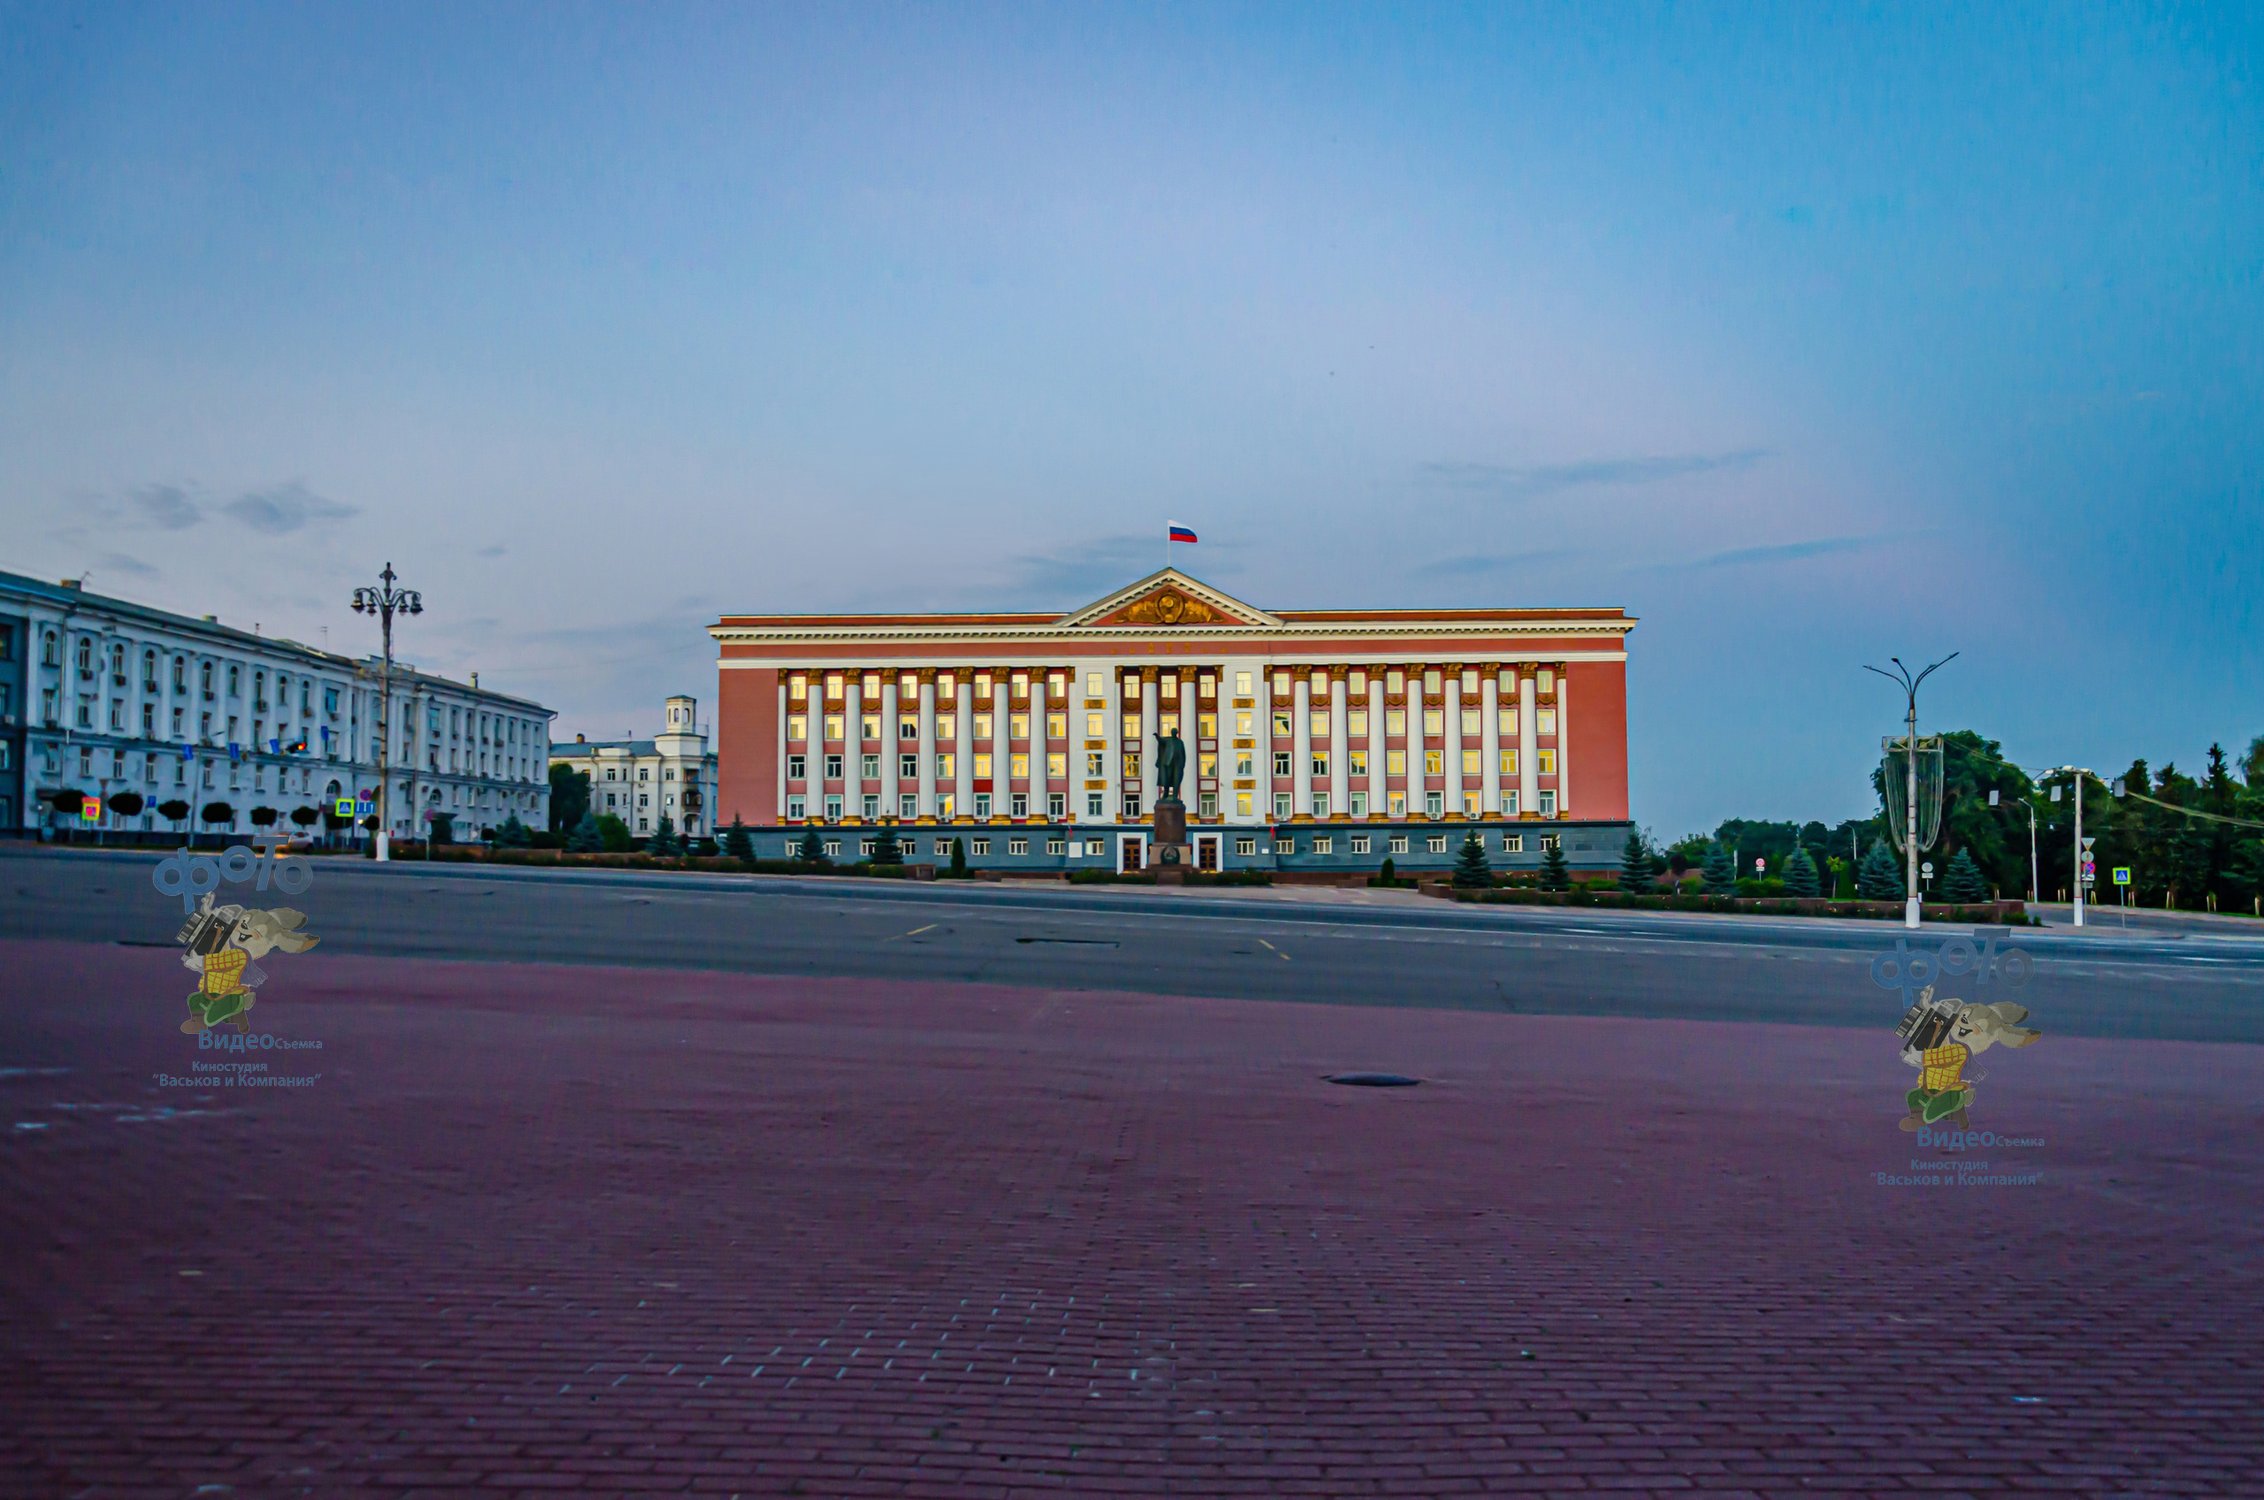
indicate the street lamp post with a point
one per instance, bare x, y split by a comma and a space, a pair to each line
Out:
1901, 675
385, 602
2077, 773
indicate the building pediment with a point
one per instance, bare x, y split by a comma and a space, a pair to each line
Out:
1166, 599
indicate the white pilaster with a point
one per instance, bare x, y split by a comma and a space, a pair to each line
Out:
927, 747
778, 808
1263, 802
1112, 731
1149, 727
1415, 742
853, 745
1489, 737
1528, 776
1340, 775
1301, 736
1454, 742
1002, 708
891, 745
1378, 793
963, 743
1563, 739
1038, 744
813, 746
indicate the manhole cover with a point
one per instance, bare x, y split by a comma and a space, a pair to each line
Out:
1375, 1080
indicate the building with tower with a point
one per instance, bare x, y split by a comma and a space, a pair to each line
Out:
671, 775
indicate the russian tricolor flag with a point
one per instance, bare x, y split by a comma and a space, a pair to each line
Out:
1181, 533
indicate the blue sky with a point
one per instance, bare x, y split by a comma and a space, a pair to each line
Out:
1810, 334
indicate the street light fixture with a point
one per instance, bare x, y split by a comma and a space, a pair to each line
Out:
1901, 676
386, 601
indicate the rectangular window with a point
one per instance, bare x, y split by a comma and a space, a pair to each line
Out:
798, 686
1548, 802
1281, 763
1359, 804
1057, 846
1360, 843
1508, 721
946, 766
1018, 846
1057, 765
1167, 723
1513, 843
908, 727
1395, 804
982, 765
1018, 727
980, 846
1356, 762
983, 726
1509, 763
1544, 761
1243, 722
1434, 804
834, 727
1096, 763
1473, 724
1395, 682
983, 686
1320, 763
1544, 721
1395, 762
1206, 764
1057, 726
947, 688
868, 766
1093, 685
1356, 724
1096, 847
1434, 724
982, 804
833, 768
1057, 806
864, 848
1131, 804
1096, 805
946, 805
1320, 729
1431, 683
833, 687
1436, 843
1552, 841
797, 727
907, 804
1399, 843
1281, 804
1547, 682
1395, 723
1206, 804
1320, 804
943, 848
1509, 800
1018, 805
1206, 726
1018, 766
1131, 729
1131, 768
1324, 844
1242, 804
1281, 727
796, 768
1432, 762
1470, 765
833, 808
1021, 685
947, 728
1242, 684
908, 767
1096, 726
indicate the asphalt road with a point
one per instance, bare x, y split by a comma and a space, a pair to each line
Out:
1380, 949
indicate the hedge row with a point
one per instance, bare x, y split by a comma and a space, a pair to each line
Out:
1994, 912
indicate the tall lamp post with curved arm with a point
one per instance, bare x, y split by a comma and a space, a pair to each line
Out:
1903, 679
386, 601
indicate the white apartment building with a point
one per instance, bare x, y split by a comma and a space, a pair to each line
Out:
120, 697
642, 781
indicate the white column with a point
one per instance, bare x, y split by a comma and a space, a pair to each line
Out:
1563, 739
813, 746
1149, 727
1528, 783
1340, 776
963, 744
1192, 788
1489, 738
1378, 795
1454, 742
891, 746
1415, 742
1301, 736
1038, 744
1264, 759
927, 746
1112, 732
779, 807
852, 734
1002, 706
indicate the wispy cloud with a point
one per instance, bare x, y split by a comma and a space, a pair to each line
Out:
1787, 551
119, 562
495, 551
166, 506
1477, 566
1527, 482
285, 508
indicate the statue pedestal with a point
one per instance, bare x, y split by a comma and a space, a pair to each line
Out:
1171, 854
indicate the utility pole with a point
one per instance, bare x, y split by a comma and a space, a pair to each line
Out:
1911, 906
384, 602
2035, 875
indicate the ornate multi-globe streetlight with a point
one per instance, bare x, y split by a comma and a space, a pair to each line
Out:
385, 602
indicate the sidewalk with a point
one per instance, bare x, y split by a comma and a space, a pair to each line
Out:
541, 1229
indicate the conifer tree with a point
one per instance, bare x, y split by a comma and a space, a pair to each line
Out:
1964, 883
1800, 877
585, 839
1721, 877
812, 851
1471, 872
663, 842
886, 850
736, 841
1879, 877
1635, 863
958, 857
1555, 874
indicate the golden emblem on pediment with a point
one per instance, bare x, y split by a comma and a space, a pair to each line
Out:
1169, 607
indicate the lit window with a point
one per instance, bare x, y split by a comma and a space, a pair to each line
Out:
797, 727
1243, 720
1281, 727
1242, 689
833, 687
1057, 764
1548, 680
868, 726
946, 805
1434, 723
1320, 730
1509, 763
1356, 762
1470, 762
1431, 683
1018, 727
1093, 688
1057, 726
1544, 721
1432, 762
1018, 766
1242, 804
982, 765
1545, 762
1395, 723
1395, 762
833, 727
1132, 728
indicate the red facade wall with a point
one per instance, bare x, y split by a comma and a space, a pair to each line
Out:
1595, 722
746, 729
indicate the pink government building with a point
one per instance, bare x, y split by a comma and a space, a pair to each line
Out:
1317, 739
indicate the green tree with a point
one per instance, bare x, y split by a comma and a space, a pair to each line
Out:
1880, 877
1800, 877
442, 828
886, 849
217, 812
1471, 872
1635, 869
1555, 874
613, 834
306, 817
812, 851
663, 842
264, 817
174, 811
569, 796
586, 837
1963, 883
958, 858
512, 835
737, 842
1721, 876
1390, 871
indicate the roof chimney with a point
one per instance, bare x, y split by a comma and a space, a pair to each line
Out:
475, 679
70, 583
